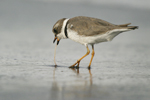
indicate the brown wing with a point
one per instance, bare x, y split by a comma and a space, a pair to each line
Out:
90, 26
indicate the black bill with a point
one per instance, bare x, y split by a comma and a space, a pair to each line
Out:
55, 40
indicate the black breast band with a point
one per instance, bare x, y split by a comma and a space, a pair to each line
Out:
66, 34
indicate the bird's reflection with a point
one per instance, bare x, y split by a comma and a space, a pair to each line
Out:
77, 71
91, 81
54, 72
59, 89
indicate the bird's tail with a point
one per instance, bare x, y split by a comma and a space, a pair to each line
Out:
128, 27
133, 27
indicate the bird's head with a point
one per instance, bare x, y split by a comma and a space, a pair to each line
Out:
58, 30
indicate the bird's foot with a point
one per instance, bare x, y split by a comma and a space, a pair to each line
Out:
89, 67
74, 65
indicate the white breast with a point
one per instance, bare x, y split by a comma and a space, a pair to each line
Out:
95, 38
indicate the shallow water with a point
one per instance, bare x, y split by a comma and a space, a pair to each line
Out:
120, 68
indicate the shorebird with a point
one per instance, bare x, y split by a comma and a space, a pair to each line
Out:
87, 31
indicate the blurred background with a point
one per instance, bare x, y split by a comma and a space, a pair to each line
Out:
26, 51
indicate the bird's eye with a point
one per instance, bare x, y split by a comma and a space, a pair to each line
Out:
55, 31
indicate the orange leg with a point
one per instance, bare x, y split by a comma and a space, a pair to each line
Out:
78, 61
93, 53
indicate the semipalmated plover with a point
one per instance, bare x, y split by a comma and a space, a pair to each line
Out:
87, 31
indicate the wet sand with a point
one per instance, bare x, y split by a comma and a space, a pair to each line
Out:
120, 68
